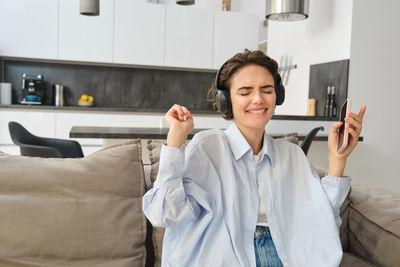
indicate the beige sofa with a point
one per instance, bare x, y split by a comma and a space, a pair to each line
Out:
87, 212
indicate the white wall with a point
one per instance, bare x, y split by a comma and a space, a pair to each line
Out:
373, 81
323, 37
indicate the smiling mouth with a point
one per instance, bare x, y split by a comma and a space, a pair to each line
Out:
258, 111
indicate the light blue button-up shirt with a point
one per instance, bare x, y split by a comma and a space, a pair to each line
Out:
206, 197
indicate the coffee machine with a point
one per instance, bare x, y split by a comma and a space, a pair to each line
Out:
33, 89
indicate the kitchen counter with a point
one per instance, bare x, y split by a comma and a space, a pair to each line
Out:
143, 133
119, 109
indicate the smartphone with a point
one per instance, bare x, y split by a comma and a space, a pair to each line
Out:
343, 133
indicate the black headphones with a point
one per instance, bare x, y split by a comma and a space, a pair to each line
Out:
223, 99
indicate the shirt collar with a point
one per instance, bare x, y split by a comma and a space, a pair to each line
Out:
239, 144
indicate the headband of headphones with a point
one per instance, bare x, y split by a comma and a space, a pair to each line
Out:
223, 99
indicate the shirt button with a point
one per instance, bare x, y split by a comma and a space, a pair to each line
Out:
269, 209
262, 183
276, 236
179, 179
182, 203
286, 264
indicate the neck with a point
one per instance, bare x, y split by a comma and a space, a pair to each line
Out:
254, 137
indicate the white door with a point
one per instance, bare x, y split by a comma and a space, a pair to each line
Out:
28, 28
85, 38
139, 33
189, 33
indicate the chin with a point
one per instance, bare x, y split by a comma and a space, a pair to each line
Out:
257, 124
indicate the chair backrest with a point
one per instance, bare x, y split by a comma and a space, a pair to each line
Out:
19, 134
31, 145
305, 145
40, 151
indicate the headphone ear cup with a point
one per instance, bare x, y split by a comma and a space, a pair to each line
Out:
223, 101
279, 91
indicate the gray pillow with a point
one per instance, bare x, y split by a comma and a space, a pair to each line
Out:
290, 137
73, 212
154, 148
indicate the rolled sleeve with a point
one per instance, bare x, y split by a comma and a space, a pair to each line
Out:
336, 188
167, 203
171, 167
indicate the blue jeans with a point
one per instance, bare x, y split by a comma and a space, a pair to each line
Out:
266, 255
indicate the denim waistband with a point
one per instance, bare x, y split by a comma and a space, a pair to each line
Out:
262, 231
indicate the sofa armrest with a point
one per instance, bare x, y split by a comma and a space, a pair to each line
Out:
374, 224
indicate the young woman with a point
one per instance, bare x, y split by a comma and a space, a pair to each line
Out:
239, 198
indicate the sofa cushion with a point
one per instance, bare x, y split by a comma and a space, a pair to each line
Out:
374, 224
154, 148
290, 137
350, 260
73, 212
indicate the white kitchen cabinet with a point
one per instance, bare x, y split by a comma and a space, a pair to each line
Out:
188, 37
28, 28
85, 38
139, 33
233, 32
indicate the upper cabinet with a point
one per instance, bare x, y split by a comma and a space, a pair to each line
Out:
233, 32
27, 29
139, 33
85, 38
188, 37
131, 32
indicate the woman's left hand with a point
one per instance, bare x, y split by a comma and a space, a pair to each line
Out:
353, 124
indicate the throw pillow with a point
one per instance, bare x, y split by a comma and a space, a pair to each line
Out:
154, 148
73, 212
290, 137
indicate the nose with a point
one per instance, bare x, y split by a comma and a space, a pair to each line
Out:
257, 97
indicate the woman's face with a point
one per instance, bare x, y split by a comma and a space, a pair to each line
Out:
253, 97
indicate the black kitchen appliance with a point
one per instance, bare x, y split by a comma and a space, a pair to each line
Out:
33, 89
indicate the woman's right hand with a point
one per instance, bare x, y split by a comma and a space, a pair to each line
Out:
179, 128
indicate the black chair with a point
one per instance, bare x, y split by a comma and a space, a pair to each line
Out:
305, 145
35, 146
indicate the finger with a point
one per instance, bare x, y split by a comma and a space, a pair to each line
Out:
354, 117
174, 108
188, 115
184, 111
178, 110
174, 112
355, 124
335, 127
352, 132
362, 112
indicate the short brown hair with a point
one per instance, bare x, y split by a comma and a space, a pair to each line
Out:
237, 62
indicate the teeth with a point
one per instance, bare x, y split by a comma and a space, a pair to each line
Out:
257, 111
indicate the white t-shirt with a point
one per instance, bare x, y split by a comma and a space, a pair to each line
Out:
262, 216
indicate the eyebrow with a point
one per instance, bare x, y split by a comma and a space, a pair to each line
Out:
250, 87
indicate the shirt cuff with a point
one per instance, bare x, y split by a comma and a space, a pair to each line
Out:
337, 189
171, 166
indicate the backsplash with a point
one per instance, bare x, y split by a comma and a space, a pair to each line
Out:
116, 87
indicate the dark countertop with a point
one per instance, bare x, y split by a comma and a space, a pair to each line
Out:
119, 109
143, 133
